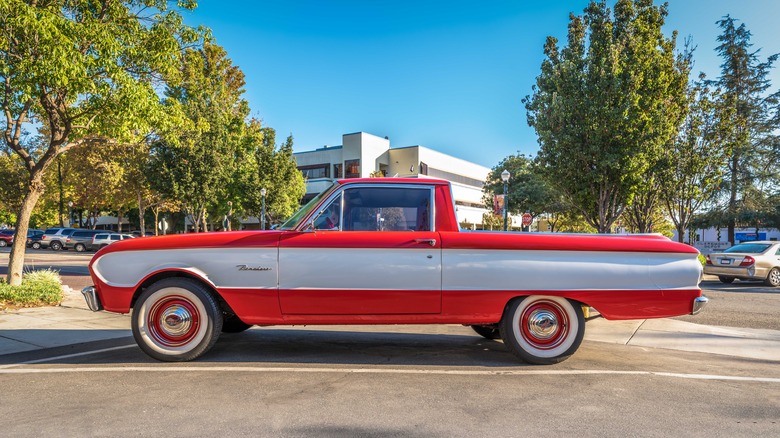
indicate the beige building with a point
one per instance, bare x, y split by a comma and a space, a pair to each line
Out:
361, 154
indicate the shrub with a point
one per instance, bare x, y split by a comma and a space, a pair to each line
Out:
38, 288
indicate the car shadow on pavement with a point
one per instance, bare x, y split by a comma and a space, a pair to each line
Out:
271, 346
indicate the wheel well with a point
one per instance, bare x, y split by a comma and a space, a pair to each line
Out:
181, 274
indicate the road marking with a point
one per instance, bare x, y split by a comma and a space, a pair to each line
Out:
250, 369
66, 356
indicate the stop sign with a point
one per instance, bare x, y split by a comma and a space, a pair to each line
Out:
527, 219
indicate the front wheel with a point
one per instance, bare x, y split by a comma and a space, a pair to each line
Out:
56, 246
773, 279
36, 245
80, 247
3, 243
542, 330
176, 319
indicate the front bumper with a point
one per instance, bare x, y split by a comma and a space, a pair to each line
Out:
92, 298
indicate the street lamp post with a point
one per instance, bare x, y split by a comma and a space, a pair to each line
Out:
263, 191
505, 178
70, 213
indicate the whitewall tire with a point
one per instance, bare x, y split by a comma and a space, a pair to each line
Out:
542, 330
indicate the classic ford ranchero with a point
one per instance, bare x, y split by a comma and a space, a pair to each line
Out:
389, 251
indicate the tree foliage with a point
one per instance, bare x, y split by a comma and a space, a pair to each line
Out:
527, 189
692, 167
748, 123
196, 163
605, 105
87, 72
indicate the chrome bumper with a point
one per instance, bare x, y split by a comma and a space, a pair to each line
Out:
698, 304
93, 301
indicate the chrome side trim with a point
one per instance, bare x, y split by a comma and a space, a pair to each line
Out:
93, 301
698, 304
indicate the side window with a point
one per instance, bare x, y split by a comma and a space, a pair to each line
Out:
387, 209
114, 237
330, 218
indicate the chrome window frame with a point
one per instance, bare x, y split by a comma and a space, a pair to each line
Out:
308, 224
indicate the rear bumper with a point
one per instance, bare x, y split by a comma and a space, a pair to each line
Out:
746, 272
698, 304
92, 298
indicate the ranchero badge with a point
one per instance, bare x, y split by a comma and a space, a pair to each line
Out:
250, 268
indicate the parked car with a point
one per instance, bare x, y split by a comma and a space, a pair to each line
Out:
34, 238
80, 240
6, 237
54, 237
747, 261
104, 239
392, 253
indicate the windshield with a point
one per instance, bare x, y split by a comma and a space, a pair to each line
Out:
749, 248
304, 211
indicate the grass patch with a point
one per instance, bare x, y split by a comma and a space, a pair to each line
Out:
38, 288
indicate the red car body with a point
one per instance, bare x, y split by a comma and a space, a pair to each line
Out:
411, 266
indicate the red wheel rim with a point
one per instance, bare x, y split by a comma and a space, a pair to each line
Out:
173, 321
544, 324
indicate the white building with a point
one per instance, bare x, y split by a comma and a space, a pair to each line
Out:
362, 154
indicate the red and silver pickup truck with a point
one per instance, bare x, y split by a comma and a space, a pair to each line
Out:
389, 251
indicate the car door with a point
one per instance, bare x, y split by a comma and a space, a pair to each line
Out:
381, 257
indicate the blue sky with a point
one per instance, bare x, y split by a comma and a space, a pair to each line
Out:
449, 75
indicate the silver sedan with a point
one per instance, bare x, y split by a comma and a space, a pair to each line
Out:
747, 261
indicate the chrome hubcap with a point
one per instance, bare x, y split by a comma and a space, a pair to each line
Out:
543, 324
774, 277
175, 321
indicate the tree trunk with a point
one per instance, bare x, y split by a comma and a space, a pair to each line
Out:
119, 221
141, 214
16, 260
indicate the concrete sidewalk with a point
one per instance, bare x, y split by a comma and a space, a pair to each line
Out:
73, 323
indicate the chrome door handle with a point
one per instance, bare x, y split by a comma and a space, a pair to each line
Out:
431, 242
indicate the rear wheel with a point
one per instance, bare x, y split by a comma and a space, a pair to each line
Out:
773, 279
176, 319
56, 245
542, 330
487, 331
727, 280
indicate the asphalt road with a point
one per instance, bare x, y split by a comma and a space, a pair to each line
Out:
335, 383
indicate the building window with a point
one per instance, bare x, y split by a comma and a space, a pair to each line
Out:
338, 170
352, 168
315, 171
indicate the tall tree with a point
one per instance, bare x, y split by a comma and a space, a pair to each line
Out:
693, 164
749, 124
606, 104
87, 72
196, 164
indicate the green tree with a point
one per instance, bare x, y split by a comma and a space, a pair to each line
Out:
273, 168
527, 189
87, 72
196, 164
747, 126
693, 164
606, 104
